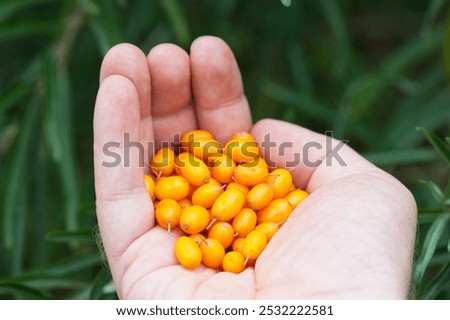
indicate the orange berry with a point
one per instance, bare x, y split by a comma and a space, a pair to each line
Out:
234, 262
212, 253
223, 232
280, 180
198, 238
168, 213
259, 196
173, 187
184, 203
162, 163
244, 222
243, 135
190, 135
254, 243
269, 228
206, 195
194, 219
222, 168
192, 168
237, 244
241, 150
204, 148
239, 186
149, 185
252, 173
188, 252
277, 211
293, 187
228, 204
296, 197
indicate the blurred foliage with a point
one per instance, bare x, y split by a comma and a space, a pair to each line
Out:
371, 71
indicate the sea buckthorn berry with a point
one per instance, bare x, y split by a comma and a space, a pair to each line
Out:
168, 213
227, 205
198, 238
243, 135
162, 163
212, 253
149, 185
189, 136
212, 180
252, 173
244, 222
233, 261
192, 169
254, 243
222, 168
296, 197
239, 186
184, 203
237, 244
268, 228
223, 232
206, 195
173, 187
188, 252
194, 219
259, 196
277, 211
280, 180
241, 150
293, 187
205, 148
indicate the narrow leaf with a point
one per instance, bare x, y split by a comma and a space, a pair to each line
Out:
103, 279
16, 172
19, 290
70, 236
441, 147
434, 189
439, 283
401, 157
429, 247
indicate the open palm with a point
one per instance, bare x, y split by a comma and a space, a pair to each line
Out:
352, 238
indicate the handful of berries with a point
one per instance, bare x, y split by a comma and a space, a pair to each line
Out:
226, 200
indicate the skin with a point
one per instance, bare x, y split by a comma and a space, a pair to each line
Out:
352, 238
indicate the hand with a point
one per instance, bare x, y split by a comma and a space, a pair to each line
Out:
352, 238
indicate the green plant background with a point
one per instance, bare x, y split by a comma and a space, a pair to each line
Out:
371, 71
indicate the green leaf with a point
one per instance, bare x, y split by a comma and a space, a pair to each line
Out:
90, 7
178, 21
13, 95
101, 281
19, 290
441, 147
434, 8
448, 246
62, 236
11, 8
59, 135
299, 67
412, 52
26, 28
430, 243
439, 283
401, 157
16, 174
335, 20
304, 103
434, 189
